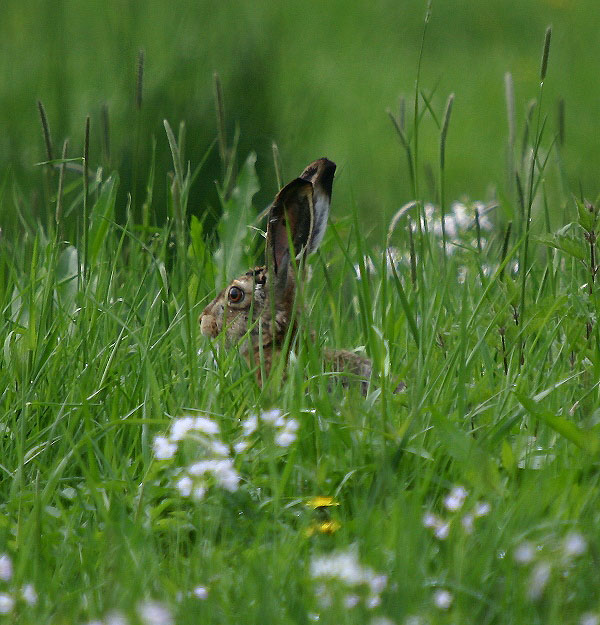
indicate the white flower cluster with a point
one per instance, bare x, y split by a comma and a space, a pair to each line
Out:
154, 613
9, 597
453, 502
285, 427
215, 466
544, 557
393, 256
442, 599
344, 567
461, 218
150, 611
214, 459
459, 225
165, 447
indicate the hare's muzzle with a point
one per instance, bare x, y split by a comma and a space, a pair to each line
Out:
208, 324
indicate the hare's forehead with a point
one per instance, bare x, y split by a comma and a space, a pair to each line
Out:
251, 279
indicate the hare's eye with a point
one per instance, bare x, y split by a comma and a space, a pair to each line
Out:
236, 295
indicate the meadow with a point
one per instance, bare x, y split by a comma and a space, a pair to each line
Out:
147, 479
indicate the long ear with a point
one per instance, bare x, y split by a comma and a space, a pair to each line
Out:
320, 174
291, 210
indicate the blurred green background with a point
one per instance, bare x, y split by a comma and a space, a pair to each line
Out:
315, 77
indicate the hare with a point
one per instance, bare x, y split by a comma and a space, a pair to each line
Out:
259, 305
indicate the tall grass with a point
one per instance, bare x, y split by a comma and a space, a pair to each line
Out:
470, 496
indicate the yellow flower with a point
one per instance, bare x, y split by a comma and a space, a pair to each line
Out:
324, 527
321, 502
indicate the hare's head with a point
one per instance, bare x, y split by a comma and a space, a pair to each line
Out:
260, 302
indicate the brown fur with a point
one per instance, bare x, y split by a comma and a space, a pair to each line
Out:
237, 320
253, 307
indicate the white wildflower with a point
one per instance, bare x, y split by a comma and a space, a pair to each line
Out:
461, 215
429, 209
292, 425
455, 498
285, 438
373, 602
351, 601
589, 618
574, 545
272, 417
180, 428
222, 465
436, 227
538, 580
430, 520
6, 567
450, 226
441, 531
53, 511
240, 447
221, 469
377, 583
227, 476
482, 508
524, 553
163, 448
154, 613
200, 592
206, 425
29, 595
343, 565
184, 485
115, 618
69, 493
467, 523
442, 599
323, 595
7, 603
199, 492
219, 448
485, 222
201, 467
440, 528
250, 424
